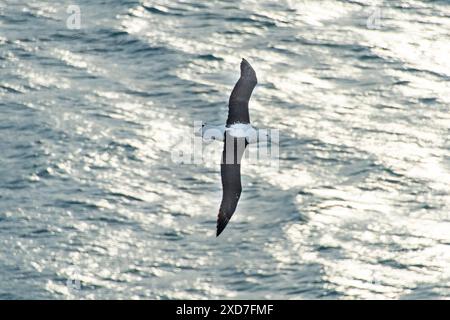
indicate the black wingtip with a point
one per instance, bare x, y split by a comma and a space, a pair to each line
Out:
222, 222
245, 64
247, 70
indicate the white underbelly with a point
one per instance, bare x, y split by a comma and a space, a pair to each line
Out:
237, 130
240, 130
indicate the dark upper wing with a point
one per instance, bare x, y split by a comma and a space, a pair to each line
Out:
238, 104
230, 170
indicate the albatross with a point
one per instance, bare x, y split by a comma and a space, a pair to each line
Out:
236, 134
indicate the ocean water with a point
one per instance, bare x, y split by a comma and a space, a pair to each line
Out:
92, 205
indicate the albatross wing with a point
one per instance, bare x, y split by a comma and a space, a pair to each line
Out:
240, 96
230, 170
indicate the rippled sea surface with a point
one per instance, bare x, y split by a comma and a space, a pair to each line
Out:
93, 207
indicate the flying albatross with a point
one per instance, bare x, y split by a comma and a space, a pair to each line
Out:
236, 135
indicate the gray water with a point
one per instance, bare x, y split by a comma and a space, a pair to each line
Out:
92, 206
